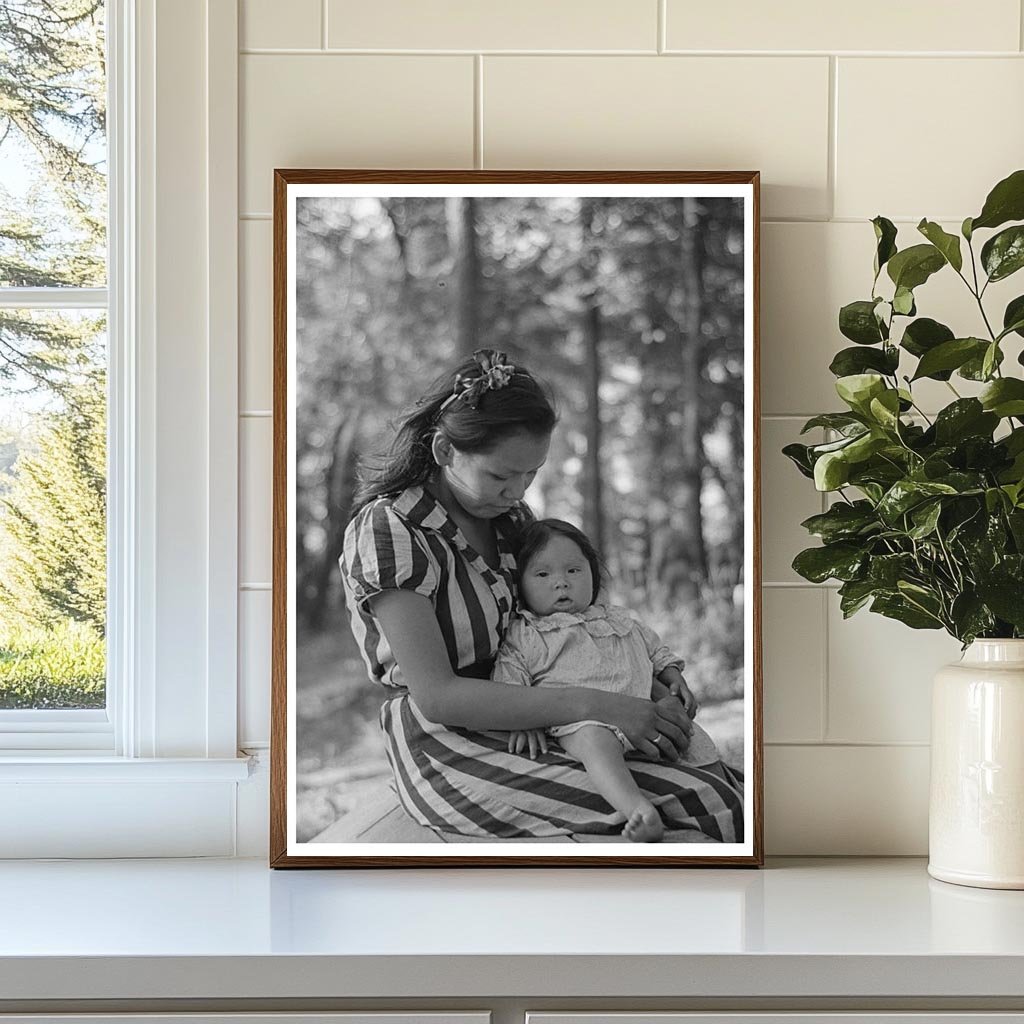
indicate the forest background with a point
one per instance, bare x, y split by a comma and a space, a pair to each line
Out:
632, 310
53, 202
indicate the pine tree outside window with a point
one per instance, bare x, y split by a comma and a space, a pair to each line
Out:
53, 369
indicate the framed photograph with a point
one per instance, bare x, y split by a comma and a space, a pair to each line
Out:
516, 565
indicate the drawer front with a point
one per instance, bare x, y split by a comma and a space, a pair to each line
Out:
933, 1017
362, 1017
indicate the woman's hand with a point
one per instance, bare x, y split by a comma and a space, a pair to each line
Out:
656, 728
534, 739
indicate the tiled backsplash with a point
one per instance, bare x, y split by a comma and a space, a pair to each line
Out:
909, 111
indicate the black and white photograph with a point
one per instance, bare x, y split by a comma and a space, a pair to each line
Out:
515, 561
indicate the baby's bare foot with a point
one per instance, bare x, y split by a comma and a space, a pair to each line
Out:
644, 824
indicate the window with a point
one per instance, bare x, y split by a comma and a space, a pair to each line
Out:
53, 371
155, 771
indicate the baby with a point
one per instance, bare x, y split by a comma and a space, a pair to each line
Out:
565, 638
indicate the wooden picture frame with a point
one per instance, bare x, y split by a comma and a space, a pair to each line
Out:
346, 334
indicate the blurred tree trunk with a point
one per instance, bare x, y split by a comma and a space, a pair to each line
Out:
653, 376
733, 485
593, 501
466, 259
687, 511
339, 485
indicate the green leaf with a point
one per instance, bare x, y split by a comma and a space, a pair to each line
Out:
1013, 317
991, 360
887, 570
799, 454
831, 471
897, 607
850, 361
1005, 202
971, 617
903, 302
947, 244
923, 335
857, 321
912, 267
885, 236
1003, 254
974, 368
858, 389
925, 518
1004, 397
965, 229
854, 594
1002, 594
904, 495
950, 355
966, 417
885, 409
833, 420
843, 521
832, 561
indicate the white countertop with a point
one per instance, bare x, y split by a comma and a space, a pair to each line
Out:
235, 929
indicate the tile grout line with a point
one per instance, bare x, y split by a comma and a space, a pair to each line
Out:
478, 111
855, 744
833, 134
323, 24
258, 51
824, 723
1020, 23
662, 41
826, 691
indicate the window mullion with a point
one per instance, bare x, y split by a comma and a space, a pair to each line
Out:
53, 298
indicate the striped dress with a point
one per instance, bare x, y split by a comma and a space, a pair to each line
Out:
456, 780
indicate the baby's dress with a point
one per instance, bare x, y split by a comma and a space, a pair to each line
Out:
602, 647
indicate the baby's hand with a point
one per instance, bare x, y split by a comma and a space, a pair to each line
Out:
534, 739
685, 694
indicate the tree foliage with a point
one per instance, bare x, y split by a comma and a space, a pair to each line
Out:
53, 521
52, 127
52, 374
630, 308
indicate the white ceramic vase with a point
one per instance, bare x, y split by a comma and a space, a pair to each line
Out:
976, 814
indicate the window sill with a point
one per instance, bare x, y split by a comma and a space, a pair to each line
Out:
76, 806
74, 766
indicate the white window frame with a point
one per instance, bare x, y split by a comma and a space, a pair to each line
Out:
158, 772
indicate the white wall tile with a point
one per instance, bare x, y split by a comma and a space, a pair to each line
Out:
495, 25
255, 505
255, 316
360, 111
880, 676
868, 25
261, 24
787, 499
254, 626
808, 272
960, 130
793, 632
683, 113
846, 801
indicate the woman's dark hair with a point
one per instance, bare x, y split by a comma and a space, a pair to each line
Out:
536, 534
523, 404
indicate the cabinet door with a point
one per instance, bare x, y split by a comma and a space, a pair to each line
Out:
785, 1017
362, 1017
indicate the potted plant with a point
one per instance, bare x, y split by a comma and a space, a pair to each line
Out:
927, 521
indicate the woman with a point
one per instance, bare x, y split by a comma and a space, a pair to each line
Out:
429, 575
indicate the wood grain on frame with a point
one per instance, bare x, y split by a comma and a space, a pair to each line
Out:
754, 782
